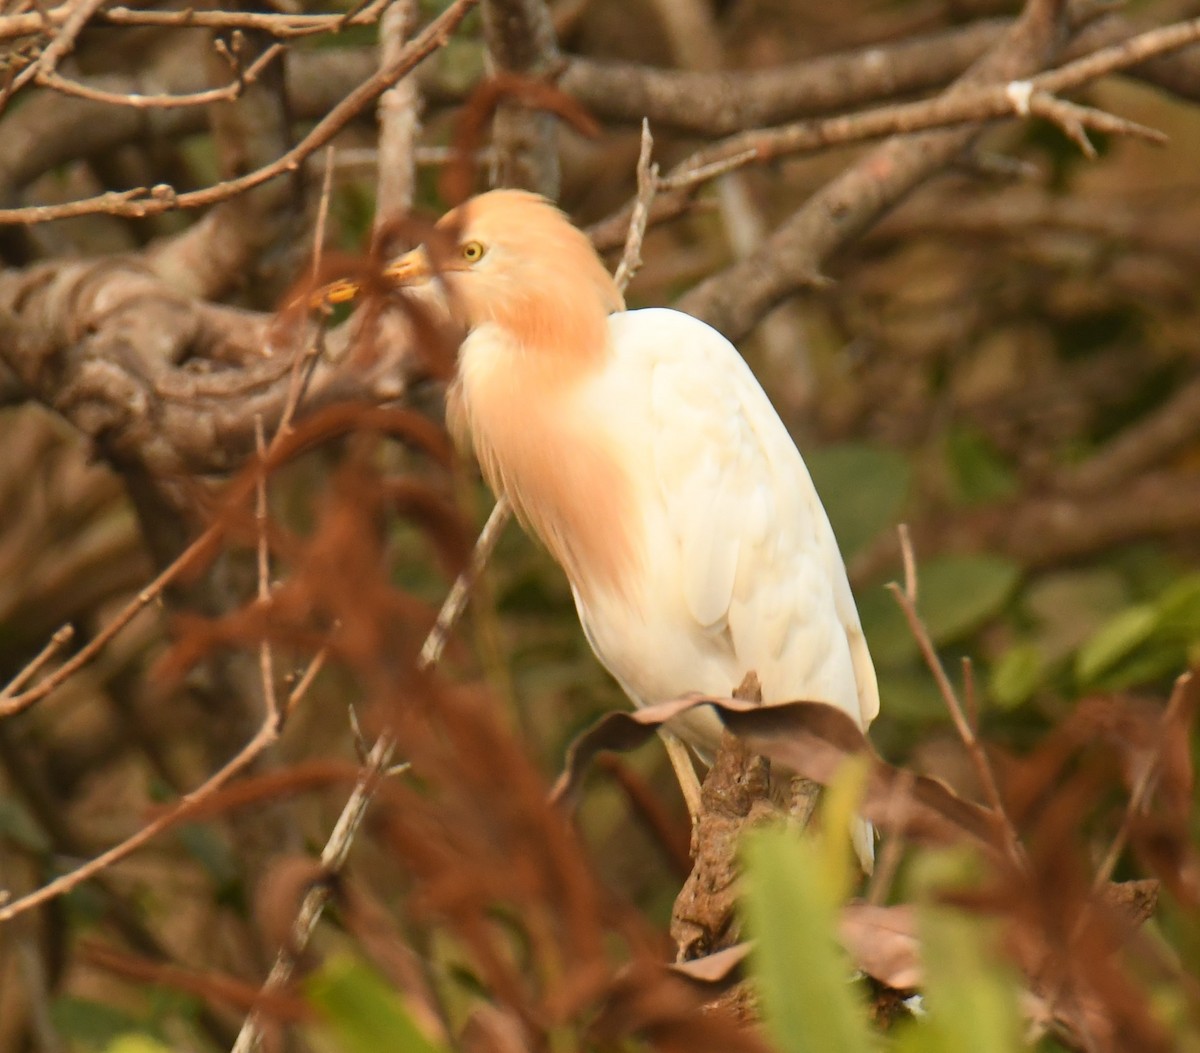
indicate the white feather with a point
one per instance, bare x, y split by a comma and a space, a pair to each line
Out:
740, 569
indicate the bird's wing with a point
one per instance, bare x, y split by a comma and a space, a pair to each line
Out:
760, 569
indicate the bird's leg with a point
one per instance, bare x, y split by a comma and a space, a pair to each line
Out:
685, 773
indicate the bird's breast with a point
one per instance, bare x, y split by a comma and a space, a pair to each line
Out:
545, 441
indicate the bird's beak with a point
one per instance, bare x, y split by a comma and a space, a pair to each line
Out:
412, 268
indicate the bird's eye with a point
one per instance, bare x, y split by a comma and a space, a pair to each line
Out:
472, 251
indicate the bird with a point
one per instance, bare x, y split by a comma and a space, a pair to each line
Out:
639, 448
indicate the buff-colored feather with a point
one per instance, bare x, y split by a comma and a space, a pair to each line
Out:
641, 450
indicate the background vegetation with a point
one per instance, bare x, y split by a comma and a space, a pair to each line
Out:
249, 517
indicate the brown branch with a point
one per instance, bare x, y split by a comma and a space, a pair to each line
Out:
975, 751
399, 124
142, 201
966, 105
721, 103
11, 704
283, 26
375, 767
264, 738
77, 15
647, 187
224, 248
1147, 779
1051, 530
161, 101
1140, 446
735, 299
56, 643
520, 39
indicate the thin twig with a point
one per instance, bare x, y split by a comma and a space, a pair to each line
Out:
377, 765
142, 201
399, 111
282, 26
57, 642
1144, 787
970, 695
78, 14
227, 93
979, 759
88, 653
961, 104
910, 563
893, 848
647, 187
456, 599
266, 658
263, 739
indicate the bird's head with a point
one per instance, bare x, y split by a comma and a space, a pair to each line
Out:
510, 258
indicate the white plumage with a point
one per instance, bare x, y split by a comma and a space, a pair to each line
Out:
640, 448
741, 569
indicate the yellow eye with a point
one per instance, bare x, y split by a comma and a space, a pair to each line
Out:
472, 251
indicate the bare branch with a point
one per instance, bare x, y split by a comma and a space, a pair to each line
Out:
376, 767
736, 298
520, 39
979, 760
283, 26
399, 123
165, 101
153, 201
713, 103
647, 186
266, 736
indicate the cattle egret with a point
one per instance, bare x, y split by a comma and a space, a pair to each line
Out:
640, 449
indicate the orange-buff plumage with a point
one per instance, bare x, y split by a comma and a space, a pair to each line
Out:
638, 446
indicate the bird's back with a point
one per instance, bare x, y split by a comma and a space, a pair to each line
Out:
740, 568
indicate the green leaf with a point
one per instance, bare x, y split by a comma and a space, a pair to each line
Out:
1018, 673
1157, 661
92, 1024
1179, 609
957, 594
136, 1043
863, 489
971, 997
978, 472
1069, 606
803, 977
911, 696
1115, 640
887, 632
364, 1014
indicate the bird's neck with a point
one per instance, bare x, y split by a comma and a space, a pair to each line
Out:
554, 336
520, 407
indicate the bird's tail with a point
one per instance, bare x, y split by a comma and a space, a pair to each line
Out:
862, 834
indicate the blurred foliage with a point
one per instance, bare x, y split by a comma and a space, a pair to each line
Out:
989, 337
362, 1012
